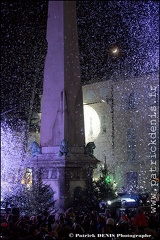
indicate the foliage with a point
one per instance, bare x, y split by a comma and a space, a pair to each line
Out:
96, 191
90, 193
104, 185
33, 201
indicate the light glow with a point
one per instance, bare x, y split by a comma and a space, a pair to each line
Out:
12, 158
115, 51
92, 124
128, 200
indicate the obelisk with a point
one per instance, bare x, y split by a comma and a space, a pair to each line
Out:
62, 107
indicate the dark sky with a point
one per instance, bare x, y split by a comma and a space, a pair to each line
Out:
130, 25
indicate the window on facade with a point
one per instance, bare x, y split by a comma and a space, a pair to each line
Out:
132, 101
103, 124
131, 180
90, 127
131, 145
89, 95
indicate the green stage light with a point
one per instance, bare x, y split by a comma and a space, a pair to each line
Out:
108, 179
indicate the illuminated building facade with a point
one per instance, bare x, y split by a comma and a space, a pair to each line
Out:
121, 117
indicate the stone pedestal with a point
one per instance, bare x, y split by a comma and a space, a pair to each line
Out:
64, 174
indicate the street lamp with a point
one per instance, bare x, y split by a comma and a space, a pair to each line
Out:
114, 54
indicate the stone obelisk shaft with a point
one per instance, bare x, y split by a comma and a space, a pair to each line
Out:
62, 105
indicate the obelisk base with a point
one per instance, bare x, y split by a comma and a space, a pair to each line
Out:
64, 174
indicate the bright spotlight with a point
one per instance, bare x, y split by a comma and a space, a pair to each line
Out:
92, 123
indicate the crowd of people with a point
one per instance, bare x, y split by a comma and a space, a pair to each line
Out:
81, 225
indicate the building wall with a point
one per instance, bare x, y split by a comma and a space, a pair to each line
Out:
125, 141
94, 99
123, 136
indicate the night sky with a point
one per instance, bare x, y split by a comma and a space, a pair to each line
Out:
130, 25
